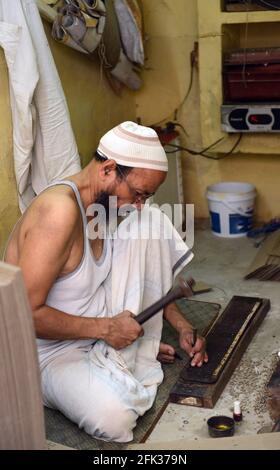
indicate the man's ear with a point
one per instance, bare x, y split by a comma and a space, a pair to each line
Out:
108, 169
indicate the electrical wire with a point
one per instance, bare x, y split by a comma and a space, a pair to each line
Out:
187, 94
182, 103
202, 152
181, 127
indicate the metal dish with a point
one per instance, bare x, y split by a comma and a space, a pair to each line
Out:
220, 426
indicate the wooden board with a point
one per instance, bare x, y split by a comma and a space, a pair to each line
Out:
273, 394
203, 386
21, 405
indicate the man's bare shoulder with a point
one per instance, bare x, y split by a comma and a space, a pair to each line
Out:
53, 220
54, 209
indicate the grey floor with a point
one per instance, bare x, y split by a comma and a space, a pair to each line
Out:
222, 263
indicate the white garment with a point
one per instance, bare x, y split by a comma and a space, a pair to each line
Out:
130, 33
101, 389
80, 293
44, 145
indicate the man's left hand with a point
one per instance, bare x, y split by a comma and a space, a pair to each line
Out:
196, 352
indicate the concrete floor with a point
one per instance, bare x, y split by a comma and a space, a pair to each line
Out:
222, 263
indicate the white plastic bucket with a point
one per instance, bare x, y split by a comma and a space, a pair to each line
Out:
231, 207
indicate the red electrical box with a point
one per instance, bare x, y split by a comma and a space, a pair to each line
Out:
252, 75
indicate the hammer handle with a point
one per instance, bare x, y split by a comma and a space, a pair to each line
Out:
149, 312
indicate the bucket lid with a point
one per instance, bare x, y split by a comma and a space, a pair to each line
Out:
231, 190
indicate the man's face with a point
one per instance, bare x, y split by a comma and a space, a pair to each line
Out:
131, 190
136, 187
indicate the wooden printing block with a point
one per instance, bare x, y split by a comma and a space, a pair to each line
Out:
273, 394
227, 341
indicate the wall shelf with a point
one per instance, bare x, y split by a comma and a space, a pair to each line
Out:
251, 16
218, 31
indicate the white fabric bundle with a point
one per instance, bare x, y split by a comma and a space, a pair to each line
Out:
44, 145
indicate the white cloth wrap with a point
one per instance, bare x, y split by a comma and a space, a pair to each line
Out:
99, 388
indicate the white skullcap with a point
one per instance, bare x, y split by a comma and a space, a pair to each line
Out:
130, 144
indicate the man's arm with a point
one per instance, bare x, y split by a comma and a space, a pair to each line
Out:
44, 252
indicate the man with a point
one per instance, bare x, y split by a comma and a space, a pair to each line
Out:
99, 366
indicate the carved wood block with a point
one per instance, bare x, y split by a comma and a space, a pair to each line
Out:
227, 341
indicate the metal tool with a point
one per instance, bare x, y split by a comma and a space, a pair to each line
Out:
177, 356
194, 336
184, 289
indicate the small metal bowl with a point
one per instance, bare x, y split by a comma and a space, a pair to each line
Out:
220, 426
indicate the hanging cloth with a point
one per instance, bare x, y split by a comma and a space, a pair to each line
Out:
44, 145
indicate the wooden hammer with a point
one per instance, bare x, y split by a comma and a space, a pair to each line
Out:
184, 289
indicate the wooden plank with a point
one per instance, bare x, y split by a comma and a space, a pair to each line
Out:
273, 394
21, 408
194, 393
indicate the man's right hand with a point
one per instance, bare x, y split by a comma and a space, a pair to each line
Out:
122, 330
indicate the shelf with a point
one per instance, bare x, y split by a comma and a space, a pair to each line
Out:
218, 32
250, 16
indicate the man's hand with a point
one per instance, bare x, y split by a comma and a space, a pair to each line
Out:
196, 352
166, 353
122, 330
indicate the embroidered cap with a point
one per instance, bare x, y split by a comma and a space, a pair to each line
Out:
130, 144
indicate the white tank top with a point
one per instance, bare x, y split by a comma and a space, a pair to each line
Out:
79, 293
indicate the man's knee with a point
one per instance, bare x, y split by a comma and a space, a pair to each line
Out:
113, 422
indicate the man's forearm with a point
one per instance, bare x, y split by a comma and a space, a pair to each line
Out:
176, 319
54, 324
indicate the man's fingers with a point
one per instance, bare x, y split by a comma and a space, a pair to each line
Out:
198, 359
167, 358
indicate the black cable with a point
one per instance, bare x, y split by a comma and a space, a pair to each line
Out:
194, 152
181, 126
171, 125
202, 152
227, 154
182, 103
187, 94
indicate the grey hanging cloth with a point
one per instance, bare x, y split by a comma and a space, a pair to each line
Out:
80, 24
116, 61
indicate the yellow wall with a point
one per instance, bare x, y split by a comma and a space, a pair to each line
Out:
94, 108
172, 28
8, 196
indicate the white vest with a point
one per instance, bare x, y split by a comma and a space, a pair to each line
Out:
79, 293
